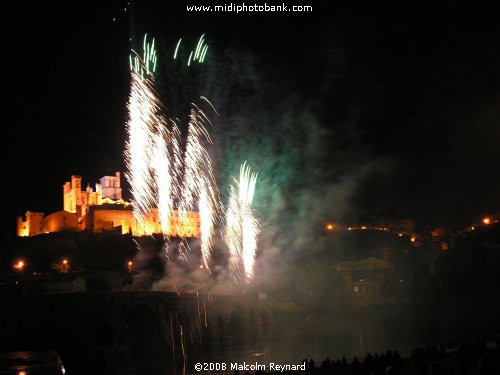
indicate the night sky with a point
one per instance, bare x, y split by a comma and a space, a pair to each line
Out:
362, 111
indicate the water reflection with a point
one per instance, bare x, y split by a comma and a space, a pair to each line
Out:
38, 362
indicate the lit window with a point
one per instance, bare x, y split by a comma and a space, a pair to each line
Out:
356, 289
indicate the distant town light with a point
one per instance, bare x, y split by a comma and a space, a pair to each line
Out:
412, 239
487, 221
329, 226
19, 265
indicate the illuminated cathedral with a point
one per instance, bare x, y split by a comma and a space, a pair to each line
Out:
103, 210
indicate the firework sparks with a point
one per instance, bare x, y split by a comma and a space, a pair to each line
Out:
199, 183
143, 107
163, 179
233, 233
250, 231
242, 226
140, 129
250, 224
204, 52
177, 48
166, 167
198, 47
195, 55
153, 153
184, 357
173, 340
161, 175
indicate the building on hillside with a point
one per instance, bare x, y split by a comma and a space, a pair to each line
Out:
103, 209
60, 221
364, 280
32, 226
107, 191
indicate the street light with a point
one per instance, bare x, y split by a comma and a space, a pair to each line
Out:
19, 265
64, 265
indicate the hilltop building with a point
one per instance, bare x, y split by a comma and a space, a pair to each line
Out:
102, 209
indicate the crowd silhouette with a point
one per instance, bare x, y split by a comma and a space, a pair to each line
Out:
465, 358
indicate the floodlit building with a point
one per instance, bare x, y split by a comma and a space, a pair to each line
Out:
32, 226
103, 209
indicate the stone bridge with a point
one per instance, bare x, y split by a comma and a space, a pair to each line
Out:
126, 332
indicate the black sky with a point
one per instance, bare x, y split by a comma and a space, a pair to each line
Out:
414, 90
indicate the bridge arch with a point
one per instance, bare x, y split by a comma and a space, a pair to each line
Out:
142, 331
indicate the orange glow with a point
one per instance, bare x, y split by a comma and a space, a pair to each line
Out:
363, 227
329, 226
413, 239
129, 266
19, 265
201, 266
487, 221
64, 267
400, 234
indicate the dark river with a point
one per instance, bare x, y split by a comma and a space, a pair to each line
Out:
291, 336
38, 362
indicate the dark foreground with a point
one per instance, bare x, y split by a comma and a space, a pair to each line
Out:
473, 358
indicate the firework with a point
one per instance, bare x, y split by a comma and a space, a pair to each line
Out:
233, 233
249, 224
201, 50
166, 166
177, 48
149, 163
140, 129
242, 226
163, 179
205, 49
198, 47
161, 175
195, 55
199, 188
